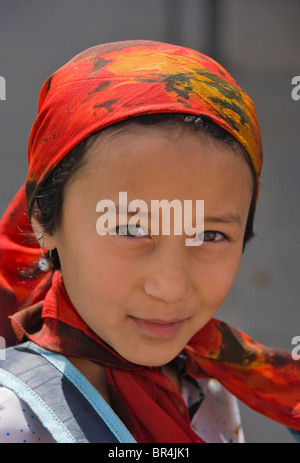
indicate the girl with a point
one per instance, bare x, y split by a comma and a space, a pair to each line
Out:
118, 339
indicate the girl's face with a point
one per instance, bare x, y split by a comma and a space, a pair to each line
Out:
146, 296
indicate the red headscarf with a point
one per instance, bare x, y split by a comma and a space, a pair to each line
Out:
97, 88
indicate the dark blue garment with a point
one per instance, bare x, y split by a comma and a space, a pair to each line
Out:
67, 405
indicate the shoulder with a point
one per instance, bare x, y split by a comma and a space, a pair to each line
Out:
18, 424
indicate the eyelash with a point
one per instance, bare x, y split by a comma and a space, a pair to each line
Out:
222, 235
130, 236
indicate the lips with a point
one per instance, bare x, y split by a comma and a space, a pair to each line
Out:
159, 328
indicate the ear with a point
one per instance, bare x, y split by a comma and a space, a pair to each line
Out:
46, 241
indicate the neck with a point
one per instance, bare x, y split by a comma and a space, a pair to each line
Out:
94, 373
173, 374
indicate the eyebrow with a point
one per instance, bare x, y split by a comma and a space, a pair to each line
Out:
131, 213
228, 219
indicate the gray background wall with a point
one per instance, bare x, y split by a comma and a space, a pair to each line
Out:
259, 43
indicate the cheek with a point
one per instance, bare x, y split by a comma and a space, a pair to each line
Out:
216, 279
93, 272
113, 276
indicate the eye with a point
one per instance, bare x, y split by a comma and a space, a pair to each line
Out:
131, 231
213, 236
210, 237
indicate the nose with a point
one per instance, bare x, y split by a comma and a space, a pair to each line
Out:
169, 278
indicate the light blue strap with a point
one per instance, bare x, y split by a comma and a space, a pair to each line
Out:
48, 419
89, 392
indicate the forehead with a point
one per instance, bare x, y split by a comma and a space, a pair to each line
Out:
134, 146
165, 162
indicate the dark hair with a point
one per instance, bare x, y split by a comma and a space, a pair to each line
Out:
50, 195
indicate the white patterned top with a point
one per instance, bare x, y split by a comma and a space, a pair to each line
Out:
215, 420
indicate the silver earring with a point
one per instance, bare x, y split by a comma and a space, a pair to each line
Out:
45, 262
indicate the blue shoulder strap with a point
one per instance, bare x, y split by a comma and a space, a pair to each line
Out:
65, 402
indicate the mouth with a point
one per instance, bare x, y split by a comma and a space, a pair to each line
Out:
159, 328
